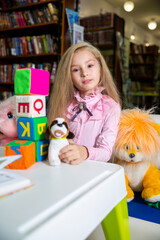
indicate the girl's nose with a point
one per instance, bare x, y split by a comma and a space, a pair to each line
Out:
84, 74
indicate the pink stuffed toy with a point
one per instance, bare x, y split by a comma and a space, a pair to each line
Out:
8, 121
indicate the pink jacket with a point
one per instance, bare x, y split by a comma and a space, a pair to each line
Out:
97, 132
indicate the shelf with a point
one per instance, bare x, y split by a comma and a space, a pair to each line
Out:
146, 94
103, 46
30, 57
147, 53
142, 78
98, 29
138, 64
28, 6
20, 31
6, 87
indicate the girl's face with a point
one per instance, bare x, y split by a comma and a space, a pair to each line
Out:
85, 72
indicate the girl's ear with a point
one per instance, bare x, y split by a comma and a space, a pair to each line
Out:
70, 135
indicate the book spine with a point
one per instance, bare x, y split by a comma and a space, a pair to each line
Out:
53, 10
36, 45
22, 19
47, 14
28, 39
30, 18
44, 43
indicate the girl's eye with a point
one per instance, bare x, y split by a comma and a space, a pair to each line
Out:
75, 70
126, 147
9, 115
90, 65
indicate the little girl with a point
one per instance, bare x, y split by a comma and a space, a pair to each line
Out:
85, 95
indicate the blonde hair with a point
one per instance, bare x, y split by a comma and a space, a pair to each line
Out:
62, 93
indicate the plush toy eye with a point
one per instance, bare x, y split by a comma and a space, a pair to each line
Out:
9, 115
137, 148
126, 147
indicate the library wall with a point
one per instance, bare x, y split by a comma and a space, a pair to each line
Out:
130, 27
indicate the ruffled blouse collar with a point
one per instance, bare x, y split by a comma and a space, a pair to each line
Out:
95, 96
92, 102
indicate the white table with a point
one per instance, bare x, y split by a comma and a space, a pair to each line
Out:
66, 202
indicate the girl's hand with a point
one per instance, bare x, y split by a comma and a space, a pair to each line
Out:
73, 153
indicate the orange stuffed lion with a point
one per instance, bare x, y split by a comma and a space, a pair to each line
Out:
136, 149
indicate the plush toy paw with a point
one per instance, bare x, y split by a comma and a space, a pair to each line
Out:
130, 193
151, 185
151, 194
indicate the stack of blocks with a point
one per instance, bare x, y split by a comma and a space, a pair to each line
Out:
31, 86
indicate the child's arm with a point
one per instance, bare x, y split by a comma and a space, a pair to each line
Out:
102, 149
73, 153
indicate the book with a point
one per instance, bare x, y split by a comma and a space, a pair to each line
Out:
72, 17
11, 182
53, 11
78, 33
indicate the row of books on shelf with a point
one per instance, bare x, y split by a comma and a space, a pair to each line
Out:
15, 19
142, 59
13, 3
7, 72
142, 49
5, 94
26, 45
141, 72
99, 37
102, 20
109, 60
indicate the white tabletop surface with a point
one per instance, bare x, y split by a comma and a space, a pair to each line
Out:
66, 202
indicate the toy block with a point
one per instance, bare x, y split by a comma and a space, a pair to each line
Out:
30, 106
26, 149
31, 81
33, 129
42, 149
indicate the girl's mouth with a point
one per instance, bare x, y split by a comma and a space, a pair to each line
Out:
86, 81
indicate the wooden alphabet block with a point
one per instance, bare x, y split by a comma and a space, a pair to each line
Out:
31, 81
33, 129
30, 106
42, 149
26, 149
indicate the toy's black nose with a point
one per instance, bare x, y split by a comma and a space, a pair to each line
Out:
59, 124
131, 155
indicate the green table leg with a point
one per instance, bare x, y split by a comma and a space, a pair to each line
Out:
116, 224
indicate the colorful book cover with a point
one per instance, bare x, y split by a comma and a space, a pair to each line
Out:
72, 17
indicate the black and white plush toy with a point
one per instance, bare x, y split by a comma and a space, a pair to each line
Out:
59, 132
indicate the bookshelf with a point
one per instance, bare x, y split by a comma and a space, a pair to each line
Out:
142, 68
32, 34
101, 30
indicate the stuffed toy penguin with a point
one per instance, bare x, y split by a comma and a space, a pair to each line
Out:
8, 121
59, 132
137, 148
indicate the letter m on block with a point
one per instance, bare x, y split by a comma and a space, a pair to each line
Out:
23, 107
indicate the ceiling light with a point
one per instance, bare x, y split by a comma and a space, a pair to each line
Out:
132, 37
152, 25
147, 44
128, 6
